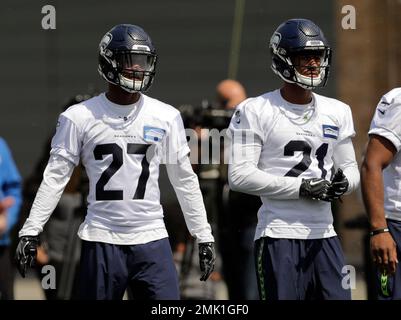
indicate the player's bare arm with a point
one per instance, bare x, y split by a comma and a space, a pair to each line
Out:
380, 152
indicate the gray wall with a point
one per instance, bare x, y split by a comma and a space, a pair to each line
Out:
41, 69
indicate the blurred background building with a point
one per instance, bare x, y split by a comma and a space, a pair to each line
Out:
199, 43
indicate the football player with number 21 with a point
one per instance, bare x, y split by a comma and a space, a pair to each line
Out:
121, 137
293, 148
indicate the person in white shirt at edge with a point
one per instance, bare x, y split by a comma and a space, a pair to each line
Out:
121, 137
380, 181
293, 148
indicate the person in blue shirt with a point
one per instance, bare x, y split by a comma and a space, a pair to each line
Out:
10, 203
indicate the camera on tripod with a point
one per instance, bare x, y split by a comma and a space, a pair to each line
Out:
205, 115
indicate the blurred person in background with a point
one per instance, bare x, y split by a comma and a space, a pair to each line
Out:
229, 94
237, 216
10, 203
225, 208
381, 190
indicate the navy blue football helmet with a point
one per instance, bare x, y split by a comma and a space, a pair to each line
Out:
127, 58
299, 37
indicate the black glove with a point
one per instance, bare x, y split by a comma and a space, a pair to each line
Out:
26, 253
339, 186
207, 257
315, 188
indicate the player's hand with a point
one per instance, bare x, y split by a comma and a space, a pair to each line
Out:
339, 186
207, 258
384, 252
6, 203
315, 188
25, 254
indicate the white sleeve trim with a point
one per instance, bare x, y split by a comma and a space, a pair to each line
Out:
344, 158
66, 154
186, 186
55, 177
388, 134
245, 176
67, 140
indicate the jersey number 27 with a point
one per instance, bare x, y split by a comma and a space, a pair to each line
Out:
117, 152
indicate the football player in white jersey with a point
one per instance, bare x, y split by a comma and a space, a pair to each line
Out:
381, 189
293, 148
121, 137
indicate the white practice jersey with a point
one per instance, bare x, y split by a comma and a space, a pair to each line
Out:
387, 123
297, 141
121, 149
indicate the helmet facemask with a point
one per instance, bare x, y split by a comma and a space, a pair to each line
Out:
287, 66
310, 75
135, 70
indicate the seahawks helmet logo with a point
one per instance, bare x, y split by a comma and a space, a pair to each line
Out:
105, 41
275, 40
